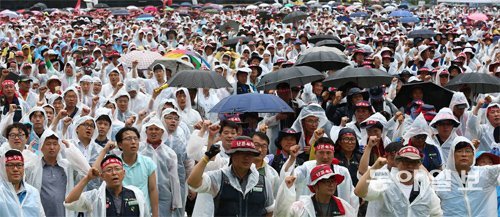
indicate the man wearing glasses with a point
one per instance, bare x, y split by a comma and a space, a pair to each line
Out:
140, 170
112, 198
17, 198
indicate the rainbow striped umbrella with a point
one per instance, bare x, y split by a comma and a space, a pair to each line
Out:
197, 61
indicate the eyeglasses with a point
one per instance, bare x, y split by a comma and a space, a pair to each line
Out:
12, 165
111, 169
131, 139
87, 125
15, 136
349, 140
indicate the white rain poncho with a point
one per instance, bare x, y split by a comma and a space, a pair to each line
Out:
168, 179
444, 149
78, 103
9, 201
310, 110
207, 103
418, 127
477, 198
188, 115
483, 132
66, 80
457, 99
140, 101
93, 202
391, 201
108, 89
34, 175
378, 118
123, 115
288, 206
115, 124
177, 141
86, 98
345, 190
33, 137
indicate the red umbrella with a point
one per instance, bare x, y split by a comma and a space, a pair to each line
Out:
150, 9
478, 17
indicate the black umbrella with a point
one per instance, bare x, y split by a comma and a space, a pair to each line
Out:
120, 12
323, 58
295, 76
477, 82
433, 94
421, 33
330, 43
295, 17
38, 7
317, 38
82, 20
233, 41
198, 79
231, 24
362, 76
101, 5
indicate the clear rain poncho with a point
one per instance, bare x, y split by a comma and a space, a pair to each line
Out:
457, 99
310, 110
483, 132
473, 196
444, 149
418, 127
188, 115
170, 202
9, 201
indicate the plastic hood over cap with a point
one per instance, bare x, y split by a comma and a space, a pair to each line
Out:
444, 114
418, 127
457, 99
376, 117
47, 133
100, 112
451, 157
79, 121
26, 118
310, 110
154, 121
188, 98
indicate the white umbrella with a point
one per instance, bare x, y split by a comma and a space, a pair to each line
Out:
277, 5
131, 7
264, 5
311, 2
252, 7
388, 9
9, 13
145, 58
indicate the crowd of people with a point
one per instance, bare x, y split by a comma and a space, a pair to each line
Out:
85, 132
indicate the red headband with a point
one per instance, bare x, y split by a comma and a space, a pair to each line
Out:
14, 158
111, 161
324, 147
8, 82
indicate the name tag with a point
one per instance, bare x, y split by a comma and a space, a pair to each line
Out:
132, 203
257, 189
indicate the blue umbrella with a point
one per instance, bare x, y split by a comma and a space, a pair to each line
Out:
359, 14
344, 18
120, 12
400, 13
145, 17
409, 20
251, 102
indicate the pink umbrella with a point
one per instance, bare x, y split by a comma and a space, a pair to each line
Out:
478, 17
150, 9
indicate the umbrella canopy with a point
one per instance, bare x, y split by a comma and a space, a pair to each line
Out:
186, 4
388, 9
9, 13
174, 65
400, 13
295, 17
131, 7
38, 7
359, 14
433, 94
323, 58
421, 33
101, 5
120, 12
197, 61
145, 17
230, 25
145, 58
478, 82
252, 7
295, 76
478, 17
150, 9
251, 102
198, 79
233, 41
317, 38
330, 43
344, 19
409, 20
362, 76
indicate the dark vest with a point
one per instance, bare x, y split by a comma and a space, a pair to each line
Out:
129, 207
335, 208
231, 202
279, 161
